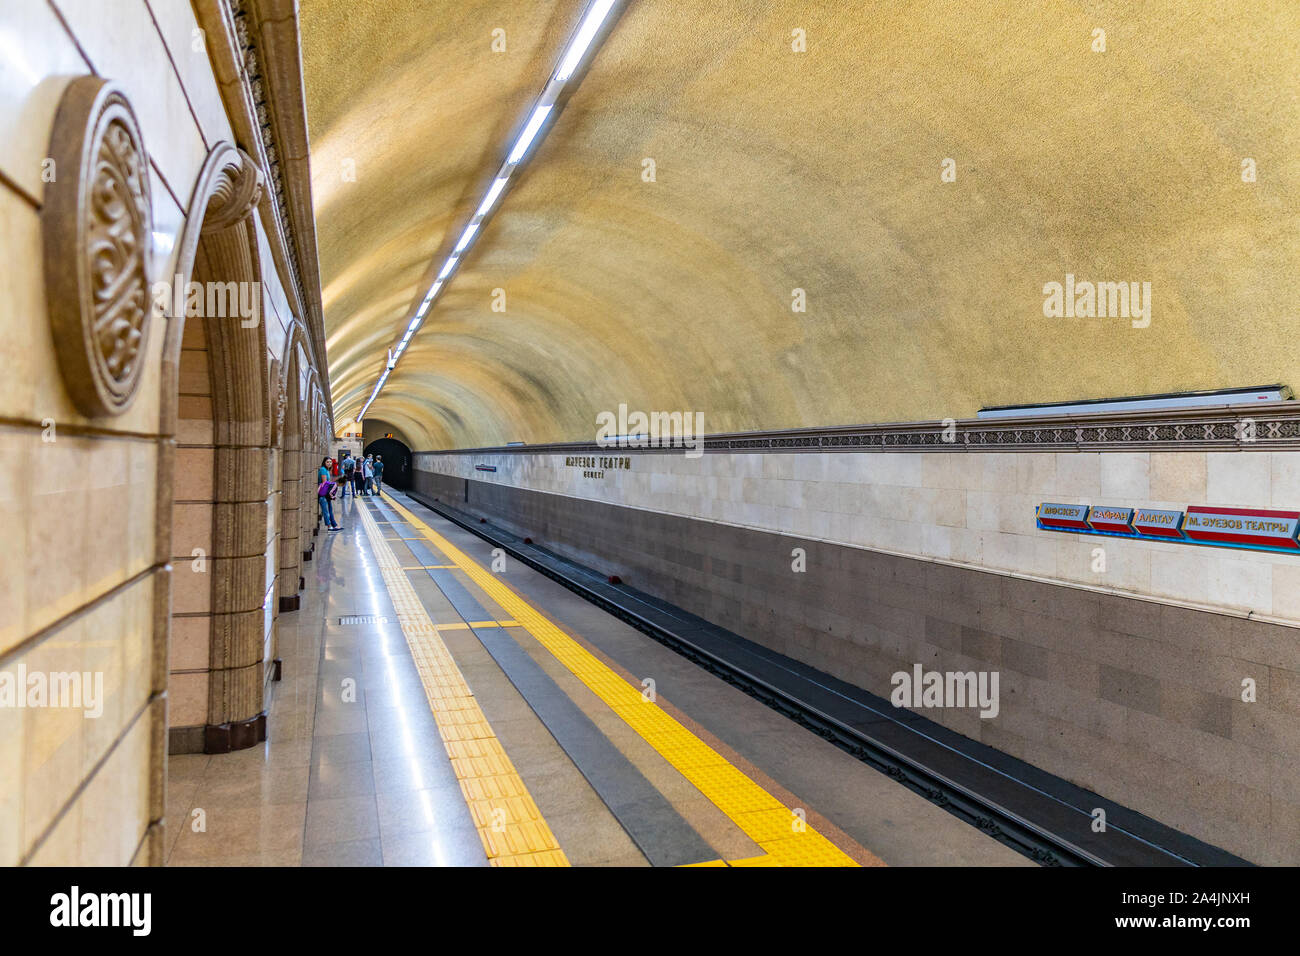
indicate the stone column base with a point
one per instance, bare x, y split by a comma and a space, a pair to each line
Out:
237, 735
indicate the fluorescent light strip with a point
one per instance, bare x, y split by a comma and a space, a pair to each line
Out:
498, 184
586, 33
465, 237
526, 137
595, 17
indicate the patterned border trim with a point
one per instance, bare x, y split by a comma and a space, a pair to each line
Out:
1271, 426
261, 103
253, 46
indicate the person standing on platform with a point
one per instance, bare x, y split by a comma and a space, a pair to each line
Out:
369, 466
379, 473
359, 473
326, 472
325, 490
349, 466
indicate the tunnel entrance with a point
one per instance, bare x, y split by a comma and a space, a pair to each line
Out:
397, 461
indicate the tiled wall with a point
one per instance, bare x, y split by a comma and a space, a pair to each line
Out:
86, 587
973, 509
1137, 700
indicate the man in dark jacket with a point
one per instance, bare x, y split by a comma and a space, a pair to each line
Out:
349, 466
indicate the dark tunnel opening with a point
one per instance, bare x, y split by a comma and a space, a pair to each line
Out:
397, 461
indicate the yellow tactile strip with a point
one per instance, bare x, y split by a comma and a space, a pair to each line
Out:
509, 823
782, 833
470, 624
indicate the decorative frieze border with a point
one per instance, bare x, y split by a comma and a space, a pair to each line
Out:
1267, 426
254, 80
253, 48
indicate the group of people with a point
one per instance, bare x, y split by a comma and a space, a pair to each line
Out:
362, 475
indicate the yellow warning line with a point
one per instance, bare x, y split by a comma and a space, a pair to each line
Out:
465, 626
509, 824
427, 567
780, 830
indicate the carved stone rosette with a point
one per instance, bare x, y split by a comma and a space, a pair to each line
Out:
97, 225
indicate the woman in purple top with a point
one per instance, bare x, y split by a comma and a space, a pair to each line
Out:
325, 494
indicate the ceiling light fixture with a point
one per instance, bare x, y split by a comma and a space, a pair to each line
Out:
498, 184
577, 50
530, 132
596, 15
465, 237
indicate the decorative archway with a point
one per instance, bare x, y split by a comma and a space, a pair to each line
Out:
297, 469
216, 403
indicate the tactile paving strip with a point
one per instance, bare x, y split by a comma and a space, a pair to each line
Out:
781, 831
509, 823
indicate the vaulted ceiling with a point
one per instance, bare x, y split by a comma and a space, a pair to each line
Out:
777, 170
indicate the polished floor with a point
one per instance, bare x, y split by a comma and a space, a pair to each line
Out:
442, 705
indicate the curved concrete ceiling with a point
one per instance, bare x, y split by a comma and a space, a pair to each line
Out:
777, 170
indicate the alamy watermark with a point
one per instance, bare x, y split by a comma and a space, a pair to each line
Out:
210, 300
81, 690
131, 911
1098, 300
922, 688
636, 429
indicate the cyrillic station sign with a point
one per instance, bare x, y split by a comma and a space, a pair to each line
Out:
1111, 520
1063, 517
1250, 528
1152, 523
1275, 529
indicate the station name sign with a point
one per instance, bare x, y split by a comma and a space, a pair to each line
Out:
595, 466
1249, 528
597, 461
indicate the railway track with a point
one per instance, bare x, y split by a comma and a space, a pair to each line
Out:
1043, 817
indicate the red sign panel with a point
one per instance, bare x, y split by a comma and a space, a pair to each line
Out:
1158, 524
1064, 516
1114, 520
1272, 529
